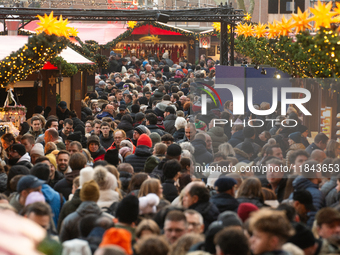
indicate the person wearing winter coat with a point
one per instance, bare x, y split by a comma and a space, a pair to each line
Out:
217, 136
89, 195
249, 136
250, 191
96, 150
151, 124
107, 183
171, 171
126, 124
142, 153
237, 135
17, 155
157, 95
225, 197
310, 180
53, 198
197, 198
294, 140
170, 119
180, 128
201, 154
106, 136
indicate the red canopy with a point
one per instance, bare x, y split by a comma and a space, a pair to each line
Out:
149, 29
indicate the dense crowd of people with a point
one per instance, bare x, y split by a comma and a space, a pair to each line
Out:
141, 171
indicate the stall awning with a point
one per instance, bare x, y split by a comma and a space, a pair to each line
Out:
8, 44
99, 32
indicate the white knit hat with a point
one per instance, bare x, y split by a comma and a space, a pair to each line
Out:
148, 203
85, 175
37, 149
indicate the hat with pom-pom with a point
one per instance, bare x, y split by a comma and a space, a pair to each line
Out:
148, 203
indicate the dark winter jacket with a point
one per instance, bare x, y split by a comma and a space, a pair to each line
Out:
256, 147
201, 154
158, 95
224, 202
328, 186
69, 207
138, 159
236, 138
169, 123
302, 183
208, 210
125, 179
279, 191
217, 136
98, 154
106, 141
104, 114
253, 200
64, 186
85, 111
312, 147
127, 127
57, 177
170, 191
35, 133
70, 226
156, 129
241, 156
179, 134
158, 171
3, 182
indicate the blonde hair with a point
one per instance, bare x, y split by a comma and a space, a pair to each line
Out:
149, 186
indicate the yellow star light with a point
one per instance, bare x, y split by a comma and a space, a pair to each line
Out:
61, 27
217, 26
248, 31
239, 29
46, 24
301, 21
285, 27
131, 24
247, 17
260, 30
72, 31
337, 10
322, 14
273, 30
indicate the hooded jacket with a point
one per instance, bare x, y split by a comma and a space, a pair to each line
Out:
224, 202
64, 186
169, 123
302, 183
69, 207
25, 160
170, 192
256, 147
54, 200
236, 138
201, 154
104, 114
106, 141
241, 156
217, 136
253, 200
69, 228
208, 210
138, 159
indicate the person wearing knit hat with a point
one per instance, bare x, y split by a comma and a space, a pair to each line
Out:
200, 125
229, 219
142, 152
295, 143
125, 151
36, 152
96, 150
126, 143
127, 213
245, 209
117, 236
34, 197
112, 157
17, 155
294, 138
85, 175
89, 195
225, 197
155, 138
138, 131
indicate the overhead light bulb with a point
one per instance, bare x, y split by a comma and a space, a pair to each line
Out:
264, 71
277, 75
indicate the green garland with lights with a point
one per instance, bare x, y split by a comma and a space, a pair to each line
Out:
67, 69
31, 57
309, 56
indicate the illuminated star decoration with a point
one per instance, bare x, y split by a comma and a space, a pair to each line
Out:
273, 30
239, 29
131, 24
217, 26
247, 17
322, 15
46, 24
260, 30
248, 31
337, 10
50, 25
301, 21
285, 27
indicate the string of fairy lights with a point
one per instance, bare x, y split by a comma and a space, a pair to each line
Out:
305, 45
